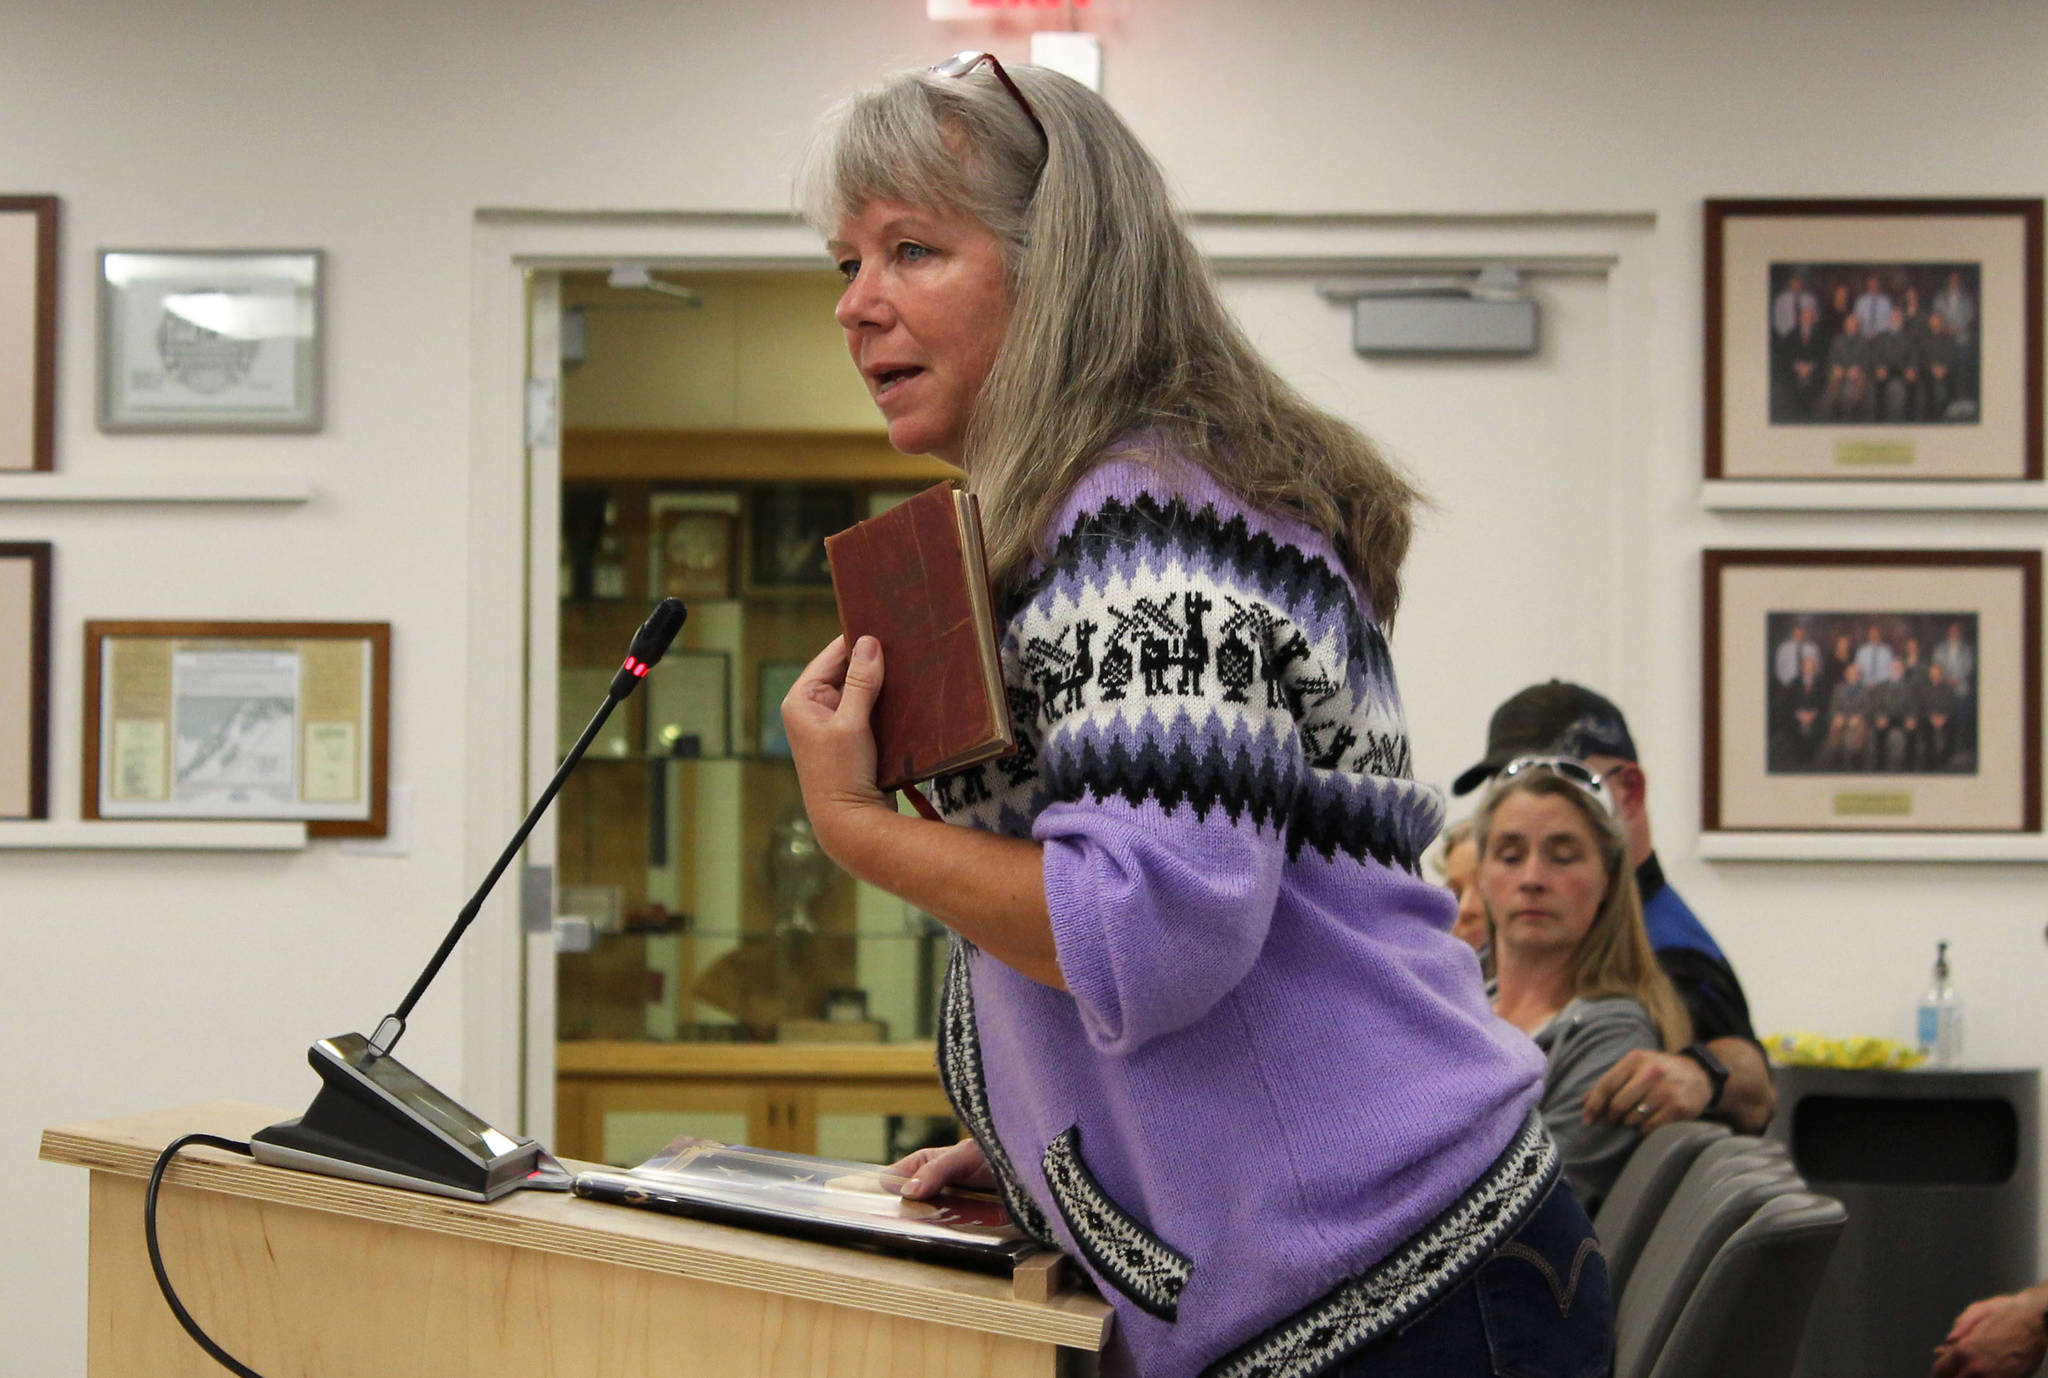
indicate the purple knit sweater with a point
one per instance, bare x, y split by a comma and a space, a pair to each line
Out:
1273, 1066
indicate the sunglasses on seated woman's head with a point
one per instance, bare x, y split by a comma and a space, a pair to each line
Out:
1568, 768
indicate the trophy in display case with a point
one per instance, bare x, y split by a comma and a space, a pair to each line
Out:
797, 871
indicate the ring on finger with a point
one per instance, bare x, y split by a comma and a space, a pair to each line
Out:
1643, 1109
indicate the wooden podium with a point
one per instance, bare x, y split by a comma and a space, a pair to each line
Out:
297, 1274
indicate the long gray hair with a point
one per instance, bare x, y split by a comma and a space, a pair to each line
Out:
1116, 328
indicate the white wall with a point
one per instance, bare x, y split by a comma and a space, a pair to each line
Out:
376, 130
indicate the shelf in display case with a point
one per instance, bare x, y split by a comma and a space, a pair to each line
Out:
829, 457
653, 758
782, 1089
613, 1057
638, 605
725, 933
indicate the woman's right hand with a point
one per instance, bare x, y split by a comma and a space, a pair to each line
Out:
930, 1170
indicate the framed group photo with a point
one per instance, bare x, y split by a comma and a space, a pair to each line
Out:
28, 332
1873, 340
210, 340
239, 720
24, 680
1872, 691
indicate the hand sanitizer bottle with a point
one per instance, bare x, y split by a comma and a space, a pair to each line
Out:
1940, 1024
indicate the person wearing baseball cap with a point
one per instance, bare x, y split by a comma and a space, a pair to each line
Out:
1723, 1073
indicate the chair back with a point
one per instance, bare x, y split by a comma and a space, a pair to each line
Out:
1718, 1195
1644, 1188
1748, 1314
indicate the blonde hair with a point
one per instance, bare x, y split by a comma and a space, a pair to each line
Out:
1452, 837
1615, 956
1116, 331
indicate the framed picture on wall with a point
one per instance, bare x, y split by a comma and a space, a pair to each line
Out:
24, 680
786, 536
28, 332
693, 545
239, 720
1872, 691
777, 678
210, 340
1892, 341
689, 701
579, 691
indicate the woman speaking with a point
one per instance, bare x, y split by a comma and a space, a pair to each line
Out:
1204, 1017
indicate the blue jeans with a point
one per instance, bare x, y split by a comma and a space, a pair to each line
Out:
1541, 1307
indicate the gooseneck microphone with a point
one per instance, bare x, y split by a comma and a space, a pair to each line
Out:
373, 1120
650, 643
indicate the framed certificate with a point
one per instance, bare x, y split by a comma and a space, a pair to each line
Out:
210, 340
28, 331
239, 720
25, 680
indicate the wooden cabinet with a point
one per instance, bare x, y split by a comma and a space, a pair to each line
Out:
720, 929
781, 1088
682, 835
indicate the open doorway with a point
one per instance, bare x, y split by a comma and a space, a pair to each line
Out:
717, 975
1540, 446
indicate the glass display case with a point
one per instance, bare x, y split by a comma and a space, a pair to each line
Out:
728, 972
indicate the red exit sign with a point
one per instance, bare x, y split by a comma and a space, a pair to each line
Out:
974, 9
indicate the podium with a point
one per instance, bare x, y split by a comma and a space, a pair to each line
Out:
297, 1274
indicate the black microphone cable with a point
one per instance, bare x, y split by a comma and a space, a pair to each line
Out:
156, 1259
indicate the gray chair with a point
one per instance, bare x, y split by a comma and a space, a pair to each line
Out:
1750, 1147
1720, 1192
1722, 1153
1748, 1314
1644, 1188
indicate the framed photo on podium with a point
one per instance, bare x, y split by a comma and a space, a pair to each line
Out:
239, 720
24, 680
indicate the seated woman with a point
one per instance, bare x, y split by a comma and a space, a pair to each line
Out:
1574, 967
1458, 864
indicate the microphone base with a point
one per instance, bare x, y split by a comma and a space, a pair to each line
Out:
374, 1120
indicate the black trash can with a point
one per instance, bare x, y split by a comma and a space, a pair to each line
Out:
1938, 1170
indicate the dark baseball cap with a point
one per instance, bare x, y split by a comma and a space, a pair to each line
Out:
1550, 719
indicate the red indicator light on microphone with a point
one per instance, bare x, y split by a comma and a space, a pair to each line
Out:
639, 668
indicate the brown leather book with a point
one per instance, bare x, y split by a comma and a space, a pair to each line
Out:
914, 578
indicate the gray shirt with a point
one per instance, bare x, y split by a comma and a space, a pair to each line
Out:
1581, 1042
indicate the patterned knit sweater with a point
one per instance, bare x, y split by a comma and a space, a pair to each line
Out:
1273, 1113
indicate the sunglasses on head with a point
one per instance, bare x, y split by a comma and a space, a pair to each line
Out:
960, 64
1567, 768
